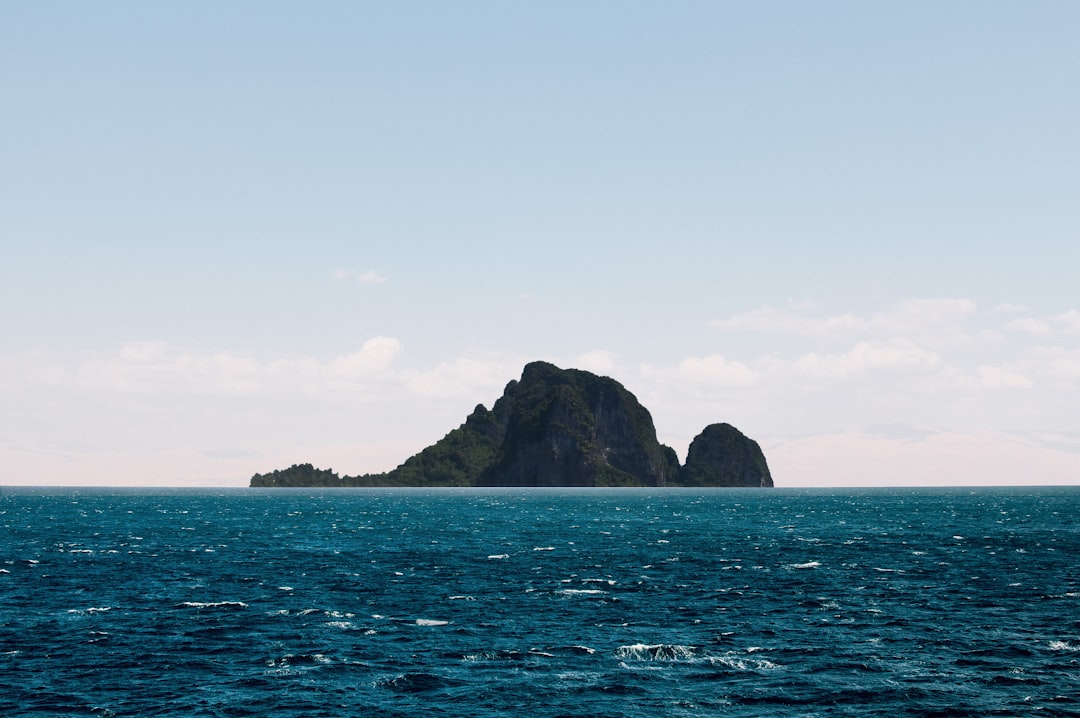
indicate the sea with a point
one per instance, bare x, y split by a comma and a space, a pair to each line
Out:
540, 603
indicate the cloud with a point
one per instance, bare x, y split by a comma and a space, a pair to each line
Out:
154, 367
919, 314
997, 377
597, 361
157, 369
372, 359
768, 319
1064, 323
369, 276
949, 458
862, 358
462, 377
912, 315
716, 370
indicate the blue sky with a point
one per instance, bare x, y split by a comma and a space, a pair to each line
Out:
241, 235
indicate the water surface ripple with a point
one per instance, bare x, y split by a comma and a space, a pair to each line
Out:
292, 603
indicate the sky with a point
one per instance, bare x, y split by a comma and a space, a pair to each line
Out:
240, 235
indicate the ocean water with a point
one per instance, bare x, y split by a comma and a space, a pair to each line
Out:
542, 603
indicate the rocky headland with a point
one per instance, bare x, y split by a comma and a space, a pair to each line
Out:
559, 428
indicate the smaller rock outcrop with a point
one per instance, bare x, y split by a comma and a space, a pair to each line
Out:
721, 455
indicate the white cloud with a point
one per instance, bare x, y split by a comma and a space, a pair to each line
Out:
865, 357
597, 361
372, 359
768, 319
997, 377
716, 370
463, 377
915, 315
952, 458
910, 316
368, 276
156, 368
371, 277
1058, 324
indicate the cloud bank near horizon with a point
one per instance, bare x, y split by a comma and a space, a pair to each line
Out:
1002, 382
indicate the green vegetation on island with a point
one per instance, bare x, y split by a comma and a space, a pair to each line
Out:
558, 427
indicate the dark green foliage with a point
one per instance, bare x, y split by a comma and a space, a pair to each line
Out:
297, 475
722, 456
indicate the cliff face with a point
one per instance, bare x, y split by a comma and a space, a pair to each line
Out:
722, 456
562, 427
573, 428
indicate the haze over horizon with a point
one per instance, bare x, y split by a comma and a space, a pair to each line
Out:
242, 235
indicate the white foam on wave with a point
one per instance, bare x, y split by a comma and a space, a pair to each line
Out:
738, 663
431, 622
498, 556
581, 592
656, 652
213, 604
543, 548
1063, 646
801, 566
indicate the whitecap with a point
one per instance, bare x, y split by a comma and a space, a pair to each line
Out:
543, 548
213, 604
581, 592
461, 598
430, 622
809, 564
1062, 646
656, 652
737, 663
497, 556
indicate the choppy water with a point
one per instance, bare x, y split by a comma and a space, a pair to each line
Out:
496, 603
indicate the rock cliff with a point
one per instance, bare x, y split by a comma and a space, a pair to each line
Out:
722, 456
559, 427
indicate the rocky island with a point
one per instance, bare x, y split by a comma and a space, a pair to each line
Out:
559, 428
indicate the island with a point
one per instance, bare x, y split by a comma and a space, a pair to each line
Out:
558, 428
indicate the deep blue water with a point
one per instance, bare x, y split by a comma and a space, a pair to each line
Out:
499, 603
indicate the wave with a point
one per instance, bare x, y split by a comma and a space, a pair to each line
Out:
800, 566
431, 622
656, 652
212, 604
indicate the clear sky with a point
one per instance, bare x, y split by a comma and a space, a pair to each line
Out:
240, 235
